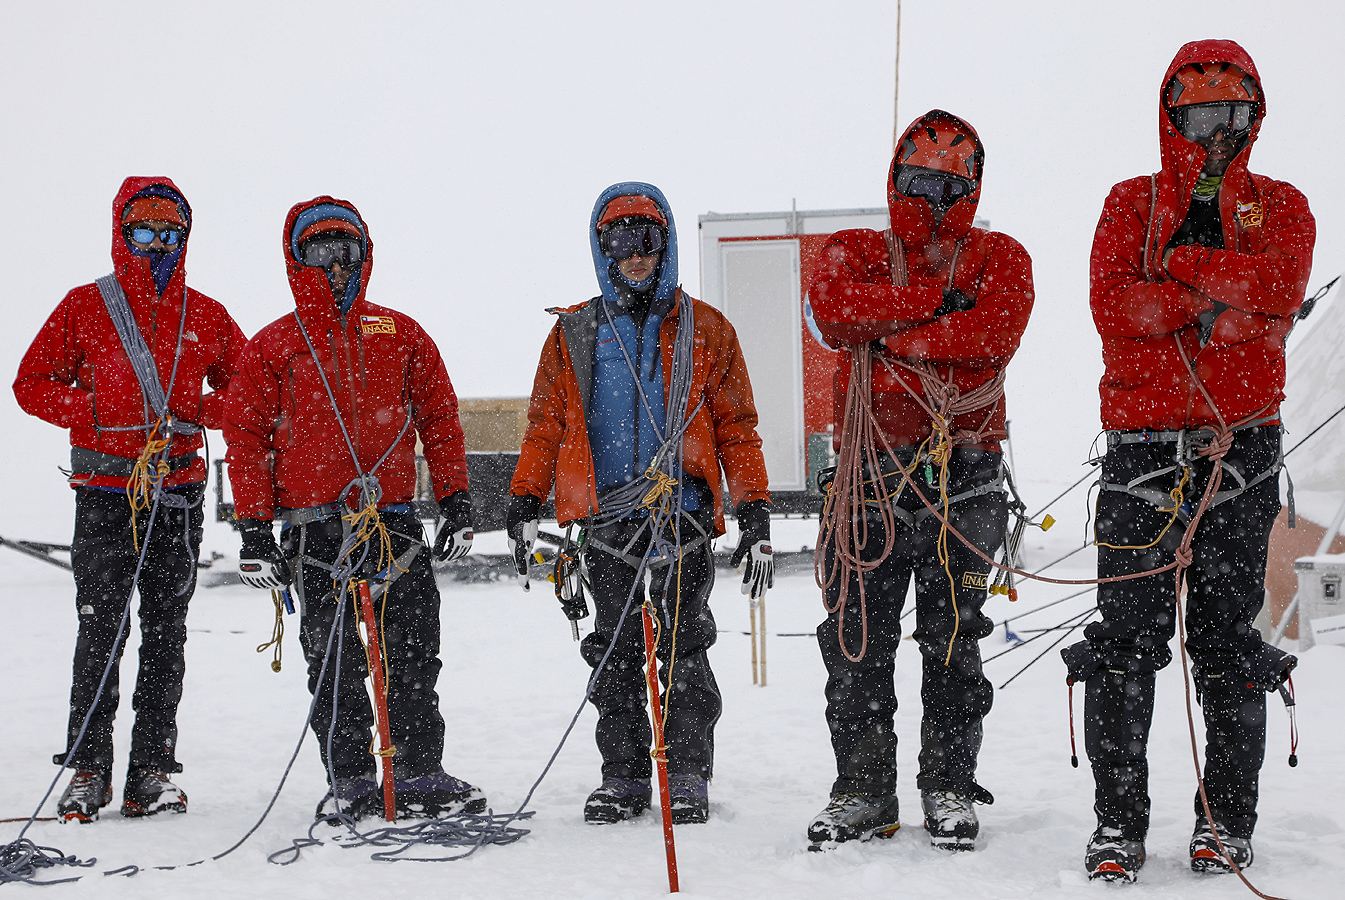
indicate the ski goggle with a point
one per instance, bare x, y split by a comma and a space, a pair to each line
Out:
321, 252
623, 241
1200, 122
939, 188
141, 235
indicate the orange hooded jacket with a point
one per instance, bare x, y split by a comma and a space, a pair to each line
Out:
723, 432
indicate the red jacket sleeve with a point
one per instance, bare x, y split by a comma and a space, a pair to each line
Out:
1124, 302
434, 407
1271, 281
47, 382
852, 304
219, 373
993, 327
252, 409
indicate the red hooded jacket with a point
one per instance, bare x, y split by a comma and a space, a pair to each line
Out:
1141, 310
76, 374
285, 443
855, 301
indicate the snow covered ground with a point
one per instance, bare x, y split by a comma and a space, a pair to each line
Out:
512, 678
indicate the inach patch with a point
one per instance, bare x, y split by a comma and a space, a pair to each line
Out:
1250, 215
377, 325
975, 580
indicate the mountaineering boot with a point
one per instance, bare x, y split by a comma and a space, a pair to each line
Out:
359, 798
950, 819
616, 800
437, 794
148, 792
1112, 857
88, 791
854, 817
1205, 854
689, 799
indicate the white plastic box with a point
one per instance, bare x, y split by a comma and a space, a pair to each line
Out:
1321, 599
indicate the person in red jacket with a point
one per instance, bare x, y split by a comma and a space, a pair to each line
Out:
81, 374
1197, 272
939, 306
643, 388
322, 421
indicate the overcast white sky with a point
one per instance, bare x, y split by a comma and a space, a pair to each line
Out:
474, 138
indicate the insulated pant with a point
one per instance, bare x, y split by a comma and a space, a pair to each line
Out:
692, 705
861, 696
103, 556
1232, 666
408, 616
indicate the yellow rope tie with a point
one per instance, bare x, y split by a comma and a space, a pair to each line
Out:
1178, 497
146, 478
657, 497
943, 454
277, 632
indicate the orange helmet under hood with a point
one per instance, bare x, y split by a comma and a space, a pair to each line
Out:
936, 143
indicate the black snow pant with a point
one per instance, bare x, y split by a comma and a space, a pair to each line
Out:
409, 621
1231, 665
861, 695
692, 705
103, 556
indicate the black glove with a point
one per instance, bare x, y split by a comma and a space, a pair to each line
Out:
520, 526
260, 564
954, 301
453, 538
754, 548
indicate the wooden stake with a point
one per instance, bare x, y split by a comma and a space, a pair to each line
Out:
380, 699
752, 611
762, 604
660, 751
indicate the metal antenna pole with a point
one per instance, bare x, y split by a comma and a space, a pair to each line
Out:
896, 82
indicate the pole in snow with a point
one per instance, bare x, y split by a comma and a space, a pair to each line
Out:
386, 751
896, 82
660, 751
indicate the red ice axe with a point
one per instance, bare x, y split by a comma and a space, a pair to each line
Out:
660, 751
375, 652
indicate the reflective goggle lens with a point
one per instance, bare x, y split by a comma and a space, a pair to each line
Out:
1199, 123
623, 241
321, 252
939, 190
169, 236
